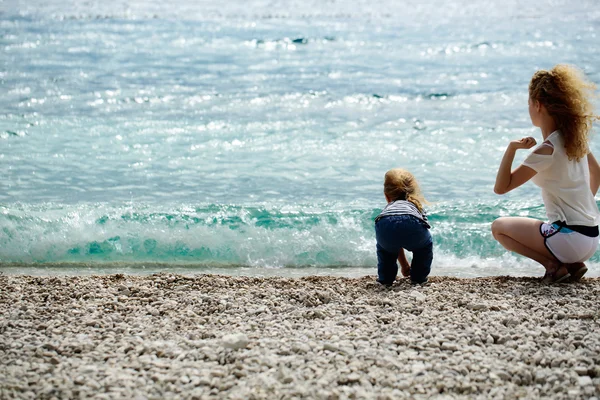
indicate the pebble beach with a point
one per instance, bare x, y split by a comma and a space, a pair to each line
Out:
212, 336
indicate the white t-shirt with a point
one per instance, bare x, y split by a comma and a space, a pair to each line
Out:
565, 185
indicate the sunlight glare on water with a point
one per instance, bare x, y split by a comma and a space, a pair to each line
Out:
264, 117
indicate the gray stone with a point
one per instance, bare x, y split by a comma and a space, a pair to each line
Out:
540, 377
449, 346
332, 347
418, 296
584, 381
235, 341
477, 306
299, 347
503, 375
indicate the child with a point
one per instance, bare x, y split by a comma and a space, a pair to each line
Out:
402, 225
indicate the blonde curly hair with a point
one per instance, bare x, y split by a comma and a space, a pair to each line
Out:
399, 184
565, 93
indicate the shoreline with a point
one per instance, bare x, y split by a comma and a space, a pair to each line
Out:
75, 269
215, 336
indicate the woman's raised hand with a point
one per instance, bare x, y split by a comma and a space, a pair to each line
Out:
525, 143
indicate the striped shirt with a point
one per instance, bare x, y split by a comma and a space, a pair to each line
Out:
402, 207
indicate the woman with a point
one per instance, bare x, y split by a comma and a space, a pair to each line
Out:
565, 169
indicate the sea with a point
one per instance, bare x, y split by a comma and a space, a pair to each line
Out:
251, 137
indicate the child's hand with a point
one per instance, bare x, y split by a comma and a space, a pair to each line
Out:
525, 143
405, 270
405, 266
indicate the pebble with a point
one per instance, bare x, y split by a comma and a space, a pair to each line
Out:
477, 306
235, 341
88, 369
331, 347
503, 375
585, 381
449, 346
418, 296
300, 347
204, 381
92, 384
315, 337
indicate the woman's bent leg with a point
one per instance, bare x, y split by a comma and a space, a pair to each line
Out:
522, 235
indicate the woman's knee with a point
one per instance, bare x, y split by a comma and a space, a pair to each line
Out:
498, 227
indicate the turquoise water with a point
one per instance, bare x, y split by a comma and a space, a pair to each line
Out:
252, 137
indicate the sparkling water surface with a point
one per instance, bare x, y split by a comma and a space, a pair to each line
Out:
252, 137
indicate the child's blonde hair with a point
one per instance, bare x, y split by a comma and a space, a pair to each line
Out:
566, 94
399, 184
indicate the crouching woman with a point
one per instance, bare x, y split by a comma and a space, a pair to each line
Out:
566, 171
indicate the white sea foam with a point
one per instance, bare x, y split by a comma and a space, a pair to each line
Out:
291, 240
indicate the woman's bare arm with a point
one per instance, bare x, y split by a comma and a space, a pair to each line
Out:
594, 173
507, 180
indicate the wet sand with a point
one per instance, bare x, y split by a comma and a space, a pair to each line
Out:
210, 336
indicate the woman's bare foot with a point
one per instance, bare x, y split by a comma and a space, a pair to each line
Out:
577, 270
556, 273
562, 274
